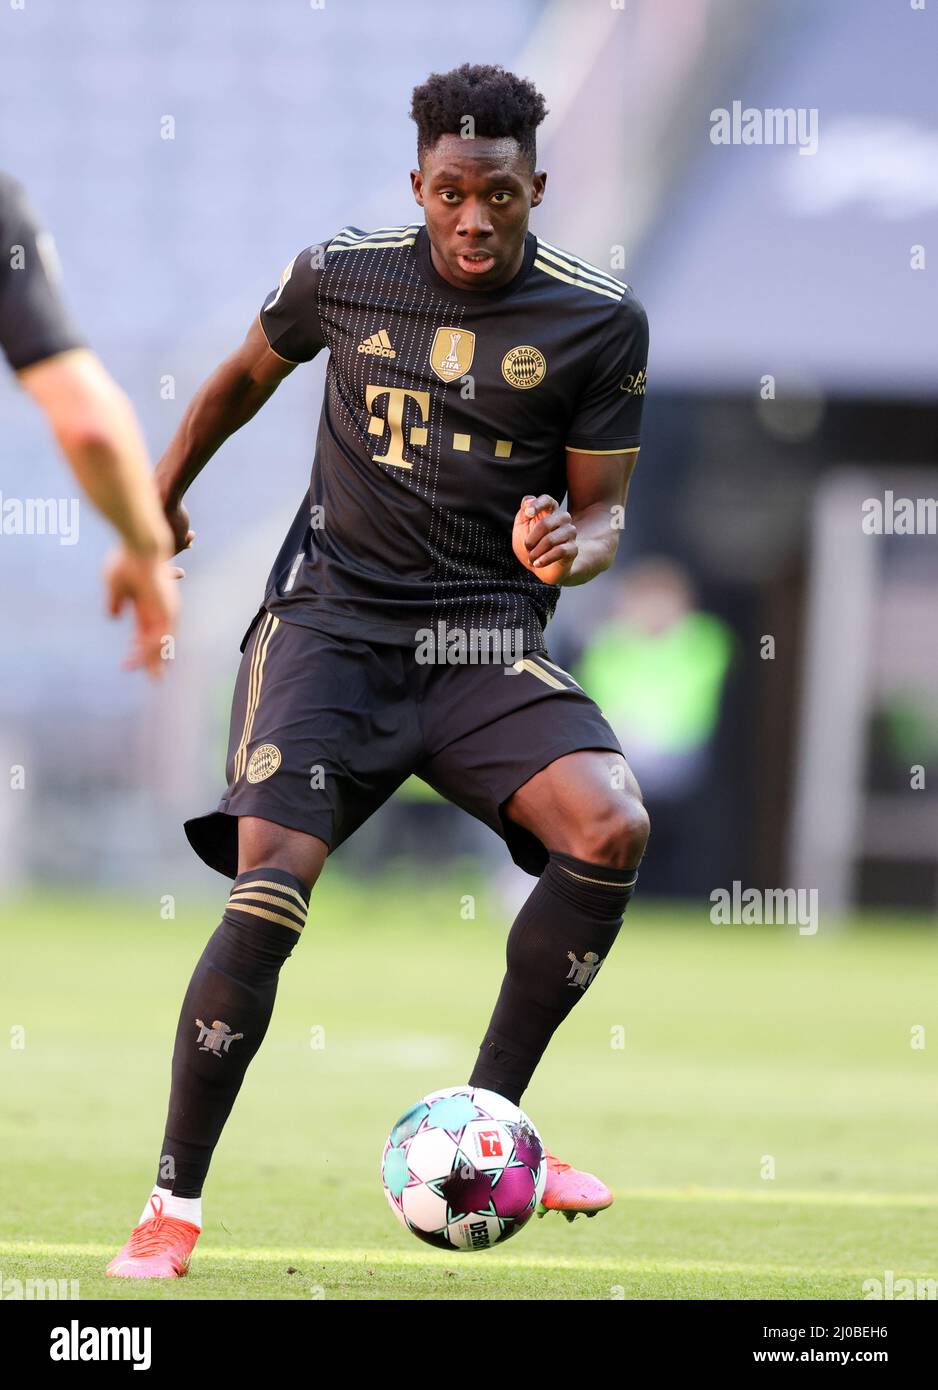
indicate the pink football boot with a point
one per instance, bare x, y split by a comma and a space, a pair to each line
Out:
570, 1191
159, 1248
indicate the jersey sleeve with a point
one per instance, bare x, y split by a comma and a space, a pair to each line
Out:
33, 322
289, 315
607, 416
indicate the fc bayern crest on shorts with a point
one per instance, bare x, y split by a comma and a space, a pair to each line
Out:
263, 763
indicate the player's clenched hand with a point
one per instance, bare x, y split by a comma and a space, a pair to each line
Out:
146, 582
543, 538
178, 517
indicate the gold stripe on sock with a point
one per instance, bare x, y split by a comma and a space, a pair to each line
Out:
601, 882
269, 883
237, 899
270, 916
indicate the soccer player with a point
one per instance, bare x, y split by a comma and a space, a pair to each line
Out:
92, 421
477, 376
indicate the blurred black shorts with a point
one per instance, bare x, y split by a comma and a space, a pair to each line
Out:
325, 728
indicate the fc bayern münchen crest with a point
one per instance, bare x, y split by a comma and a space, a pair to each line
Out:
524, 366
264, 762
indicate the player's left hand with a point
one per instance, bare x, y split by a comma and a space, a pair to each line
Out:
147, 584
543, 538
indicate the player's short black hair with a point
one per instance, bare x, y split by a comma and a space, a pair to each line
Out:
498, 102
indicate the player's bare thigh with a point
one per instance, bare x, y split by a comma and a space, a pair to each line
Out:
264, 845
587, 804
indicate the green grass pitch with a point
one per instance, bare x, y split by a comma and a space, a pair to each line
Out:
699, 1051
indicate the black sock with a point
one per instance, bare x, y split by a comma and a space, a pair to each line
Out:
224, 1018
558, 942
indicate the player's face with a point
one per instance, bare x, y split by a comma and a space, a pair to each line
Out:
477, 195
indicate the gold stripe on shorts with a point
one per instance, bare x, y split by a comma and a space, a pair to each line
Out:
267, 630
526, 664
255, 652
553, 664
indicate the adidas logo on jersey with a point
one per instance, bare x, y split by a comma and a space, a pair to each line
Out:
378, 345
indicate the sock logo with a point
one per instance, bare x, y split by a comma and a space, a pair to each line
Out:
216, 1039
581, 972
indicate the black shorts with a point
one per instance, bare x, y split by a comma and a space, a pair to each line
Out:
325, 728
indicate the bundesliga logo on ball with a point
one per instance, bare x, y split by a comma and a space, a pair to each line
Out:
463, 1169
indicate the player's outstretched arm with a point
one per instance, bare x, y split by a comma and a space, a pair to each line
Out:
571, 546
97, 431
231, 396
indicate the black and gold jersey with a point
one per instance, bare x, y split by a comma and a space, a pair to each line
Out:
443, 408
33, 322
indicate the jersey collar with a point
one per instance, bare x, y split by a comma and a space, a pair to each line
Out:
447, 291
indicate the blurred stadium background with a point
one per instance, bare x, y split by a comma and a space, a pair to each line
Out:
291, 121
182, 154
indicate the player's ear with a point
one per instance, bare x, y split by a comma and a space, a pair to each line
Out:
416, 183
538, 184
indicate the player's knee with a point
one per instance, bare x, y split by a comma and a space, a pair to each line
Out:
616, 834
264, 845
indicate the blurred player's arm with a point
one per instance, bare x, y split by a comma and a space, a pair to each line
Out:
91, 419
96, 429
286, 332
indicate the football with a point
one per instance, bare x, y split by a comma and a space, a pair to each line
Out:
463, 1169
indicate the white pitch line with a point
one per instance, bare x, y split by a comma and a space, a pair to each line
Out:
794, 1196
332, 1255
417, 1258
